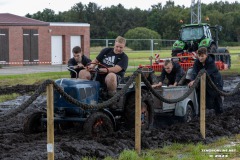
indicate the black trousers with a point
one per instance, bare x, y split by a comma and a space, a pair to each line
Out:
213, 99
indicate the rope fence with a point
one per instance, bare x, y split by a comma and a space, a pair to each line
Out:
137, 75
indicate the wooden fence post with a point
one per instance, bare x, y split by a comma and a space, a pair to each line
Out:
50, 123
203, 106
138, 114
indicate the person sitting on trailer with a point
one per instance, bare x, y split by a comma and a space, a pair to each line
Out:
173, 71
204, 61
76, 65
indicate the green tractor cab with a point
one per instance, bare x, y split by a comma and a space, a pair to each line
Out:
194, 36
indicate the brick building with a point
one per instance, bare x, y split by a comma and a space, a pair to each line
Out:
26, 41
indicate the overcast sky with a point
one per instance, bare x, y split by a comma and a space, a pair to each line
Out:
22, 7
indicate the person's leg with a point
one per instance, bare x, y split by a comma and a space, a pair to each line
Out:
218, 105
111, 82
73, 74
84, 74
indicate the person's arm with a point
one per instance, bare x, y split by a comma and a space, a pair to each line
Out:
120, 66
179, 74
175, 84
86, 61
194, 74
162, 77
94, 63
98, 59
72, 64
114, 69
157, 85
190, 83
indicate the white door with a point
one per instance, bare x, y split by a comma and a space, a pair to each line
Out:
74, 41
56, 50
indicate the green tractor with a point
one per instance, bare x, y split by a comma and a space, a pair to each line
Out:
194, 36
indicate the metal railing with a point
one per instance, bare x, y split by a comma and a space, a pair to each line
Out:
134, 44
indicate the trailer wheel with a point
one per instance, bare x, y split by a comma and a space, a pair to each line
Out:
189, 115
97, 124
146, 113
33, 123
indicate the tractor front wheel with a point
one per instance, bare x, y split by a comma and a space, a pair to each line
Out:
98, 124
33, 123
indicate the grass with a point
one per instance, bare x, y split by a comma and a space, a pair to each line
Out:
137, 58
11, 80
27, 79
189, 151
7, 97
172, 152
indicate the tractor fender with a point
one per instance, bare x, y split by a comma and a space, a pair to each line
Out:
132, 91
107, 112
181, 107
205, 43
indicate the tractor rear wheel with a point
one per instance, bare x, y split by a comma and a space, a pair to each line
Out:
98, 124
33, 123
146, 112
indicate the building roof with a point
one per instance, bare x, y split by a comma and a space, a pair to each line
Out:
69, 24
7, 19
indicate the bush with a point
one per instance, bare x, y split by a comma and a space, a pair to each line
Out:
143, 34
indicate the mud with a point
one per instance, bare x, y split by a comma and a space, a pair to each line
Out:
73, 144
20, 89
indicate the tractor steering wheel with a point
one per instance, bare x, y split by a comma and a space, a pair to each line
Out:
96, 70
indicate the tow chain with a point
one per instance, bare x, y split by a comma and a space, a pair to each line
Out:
109, 103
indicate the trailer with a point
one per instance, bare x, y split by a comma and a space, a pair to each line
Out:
185, 110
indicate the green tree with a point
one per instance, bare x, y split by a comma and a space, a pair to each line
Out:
142, 33
116, 20
46, 15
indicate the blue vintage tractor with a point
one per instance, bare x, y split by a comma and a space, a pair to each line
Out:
94, 121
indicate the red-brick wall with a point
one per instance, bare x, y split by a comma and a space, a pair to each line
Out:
66, 32
44, 41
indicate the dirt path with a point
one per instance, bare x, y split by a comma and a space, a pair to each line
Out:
72, 144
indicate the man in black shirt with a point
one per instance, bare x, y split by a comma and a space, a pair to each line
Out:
116, 62
77, 64
173, 71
